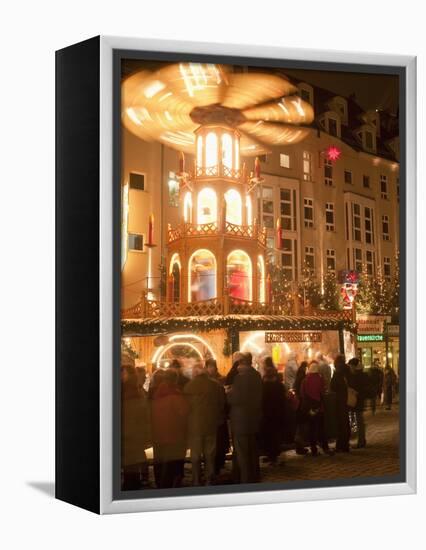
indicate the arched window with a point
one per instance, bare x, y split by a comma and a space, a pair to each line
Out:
187, 207
239, 275
233, 207
261, 278
174, 278
202, 278
249, 210
207, 206
211, 150
237, 154
199, 151
227, 151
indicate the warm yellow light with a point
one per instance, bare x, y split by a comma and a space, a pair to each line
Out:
227, 150
233, 207
202, 264
237, 154
240, 261
124, 223
187, 207
249, 210
261, 269
193, 337
207, 206
211, 150
153, 88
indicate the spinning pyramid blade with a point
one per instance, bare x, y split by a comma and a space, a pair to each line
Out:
273, 133
247, 89
291, 110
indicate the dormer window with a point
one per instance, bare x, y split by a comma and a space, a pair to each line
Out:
367, 136
306, 92
340, 105
330, 121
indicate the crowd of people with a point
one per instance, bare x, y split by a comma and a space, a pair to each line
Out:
251, 412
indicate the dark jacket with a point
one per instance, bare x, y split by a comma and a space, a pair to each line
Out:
245, 400
339, 386
312, 392
206, 399
273, 402
169, 415
360, 383
135, 428
376, 379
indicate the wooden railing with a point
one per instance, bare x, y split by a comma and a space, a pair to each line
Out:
147, 309
212, 229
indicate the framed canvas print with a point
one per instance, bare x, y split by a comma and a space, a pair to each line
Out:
235, 275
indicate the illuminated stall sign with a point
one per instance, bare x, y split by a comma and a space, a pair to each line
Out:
294, 336
370, 338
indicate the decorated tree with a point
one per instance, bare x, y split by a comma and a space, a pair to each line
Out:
309, 287
330, 298
364, 297
394, 291
282, 291
380, 295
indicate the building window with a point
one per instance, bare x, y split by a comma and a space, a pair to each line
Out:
270, 242
202, 279
309, 257
358, 259
369, 141
368, 225
173, 186
385, 228
174, 278
366, 181
356, 222
307, 166
384, 186
348, 176
329, 216
135, 241
284, 160
211, 153
239, 275
137, 181
207, 206
328, 172
288, 259
288, 221
369, 261
331, 259
332, 126
387, 268
308, 212
267, 207
227, 151
234, 207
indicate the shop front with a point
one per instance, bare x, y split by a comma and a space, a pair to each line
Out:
378, 342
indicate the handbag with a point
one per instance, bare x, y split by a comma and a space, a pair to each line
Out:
352, 397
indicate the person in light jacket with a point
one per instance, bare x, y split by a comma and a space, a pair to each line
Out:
290, 371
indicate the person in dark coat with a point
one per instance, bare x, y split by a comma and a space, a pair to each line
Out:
312, 405
273, 412
236, 358
182, 380
388, 386
135, 432
169, 410
301, 421
207, 406
360, 383
376, 382
339, 385
245, 401
222, 436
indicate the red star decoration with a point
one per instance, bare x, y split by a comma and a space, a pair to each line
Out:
333, 153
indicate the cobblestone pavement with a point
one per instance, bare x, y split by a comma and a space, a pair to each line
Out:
379, 458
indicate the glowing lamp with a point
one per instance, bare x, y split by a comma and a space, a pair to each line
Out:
333, 153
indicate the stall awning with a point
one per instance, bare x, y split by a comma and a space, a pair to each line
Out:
162, 325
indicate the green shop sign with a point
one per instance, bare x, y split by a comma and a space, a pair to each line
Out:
370, 338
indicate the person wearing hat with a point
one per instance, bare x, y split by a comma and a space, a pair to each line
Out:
359, 381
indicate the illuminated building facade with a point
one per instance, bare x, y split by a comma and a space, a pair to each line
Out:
212, 216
